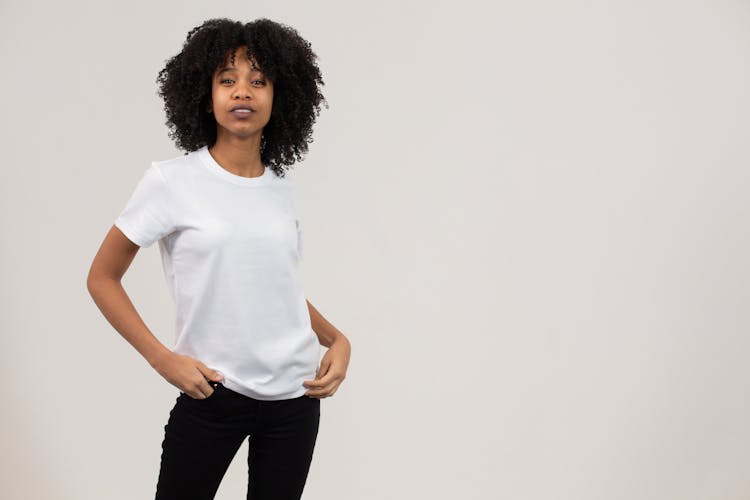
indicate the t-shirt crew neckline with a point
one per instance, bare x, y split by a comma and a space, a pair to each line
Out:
213, 166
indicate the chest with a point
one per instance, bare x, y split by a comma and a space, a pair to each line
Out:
248, 222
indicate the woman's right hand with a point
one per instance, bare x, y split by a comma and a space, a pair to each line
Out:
188, 374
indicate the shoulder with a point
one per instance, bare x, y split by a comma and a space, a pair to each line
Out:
173, 168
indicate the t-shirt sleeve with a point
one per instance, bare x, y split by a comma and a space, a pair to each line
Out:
148, 214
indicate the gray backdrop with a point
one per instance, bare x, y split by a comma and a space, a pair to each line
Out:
530, 219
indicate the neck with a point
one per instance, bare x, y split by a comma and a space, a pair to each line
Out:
239, 156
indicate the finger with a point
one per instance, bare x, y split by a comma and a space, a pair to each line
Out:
319, 395
204, 392
197, 395
313, 383
202, 389
328, 378
325, 391
209, 373
316, 381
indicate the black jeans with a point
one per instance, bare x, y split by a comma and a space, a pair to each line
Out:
202, 437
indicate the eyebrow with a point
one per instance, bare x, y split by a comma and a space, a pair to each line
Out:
232, 68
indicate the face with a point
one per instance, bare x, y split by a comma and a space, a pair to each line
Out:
241, 84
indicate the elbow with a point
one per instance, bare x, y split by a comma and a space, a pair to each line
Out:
91, 283
94, 281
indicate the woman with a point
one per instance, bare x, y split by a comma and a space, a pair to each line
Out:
241, 100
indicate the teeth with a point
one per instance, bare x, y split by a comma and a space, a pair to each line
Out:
242, 110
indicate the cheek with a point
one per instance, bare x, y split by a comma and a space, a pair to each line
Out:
215, 96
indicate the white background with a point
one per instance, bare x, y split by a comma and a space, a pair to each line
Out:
529, 218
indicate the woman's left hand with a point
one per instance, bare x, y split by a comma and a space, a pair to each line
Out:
332, 370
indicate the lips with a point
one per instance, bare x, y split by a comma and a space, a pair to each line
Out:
242, 108
242, 113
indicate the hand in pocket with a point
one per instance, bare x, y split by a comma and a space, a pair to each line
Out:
189, 375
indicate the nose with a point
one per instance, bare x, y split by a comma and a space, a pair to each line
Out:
242, 91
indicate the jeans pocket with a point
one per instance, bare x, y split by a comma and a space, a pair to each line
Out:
217, 386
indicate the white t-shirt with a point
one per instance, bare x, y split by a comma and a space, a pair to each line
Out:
230, 249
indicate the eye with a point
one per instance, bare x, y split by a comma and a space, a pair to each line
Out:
225, 80
260, 81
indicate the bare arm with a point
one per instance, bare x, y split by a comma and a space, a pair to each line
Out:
326, 332
113, 259
335, 361
104, 284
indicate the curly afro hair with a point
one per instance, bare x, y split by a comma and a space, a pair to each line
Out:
283, 56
